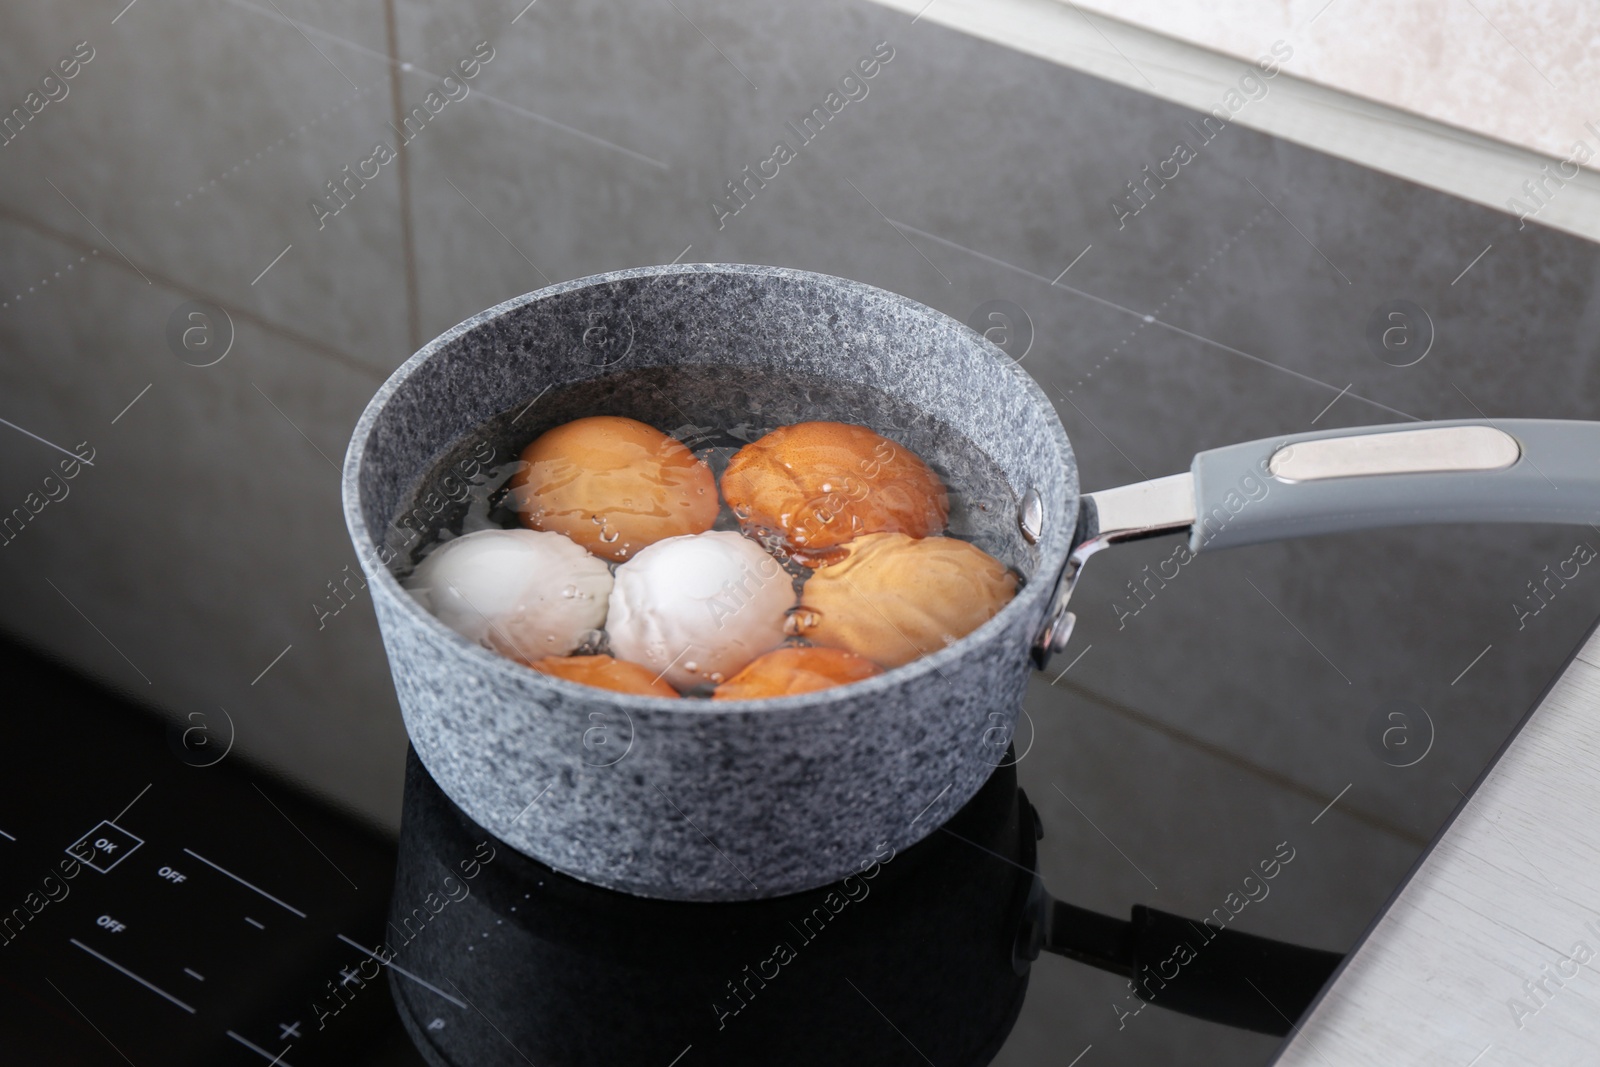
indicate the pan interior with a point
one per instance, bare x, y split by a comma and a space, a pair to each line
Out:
714, 410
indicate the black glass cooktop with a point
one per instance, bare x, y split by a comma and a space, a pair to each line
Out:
1214, 791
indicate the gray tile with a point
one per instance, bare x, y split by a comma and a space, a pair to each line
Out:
650, 85
192, 553
1133, 814
1124, 805
193, 142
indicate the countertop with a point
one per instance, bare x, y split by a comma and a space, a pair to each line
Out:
1484, 957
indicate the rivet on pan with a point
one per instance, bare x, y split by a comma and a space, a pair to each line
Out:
1030, 516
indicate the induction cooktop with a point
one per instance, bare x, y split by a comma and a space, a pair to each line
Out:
1211, 797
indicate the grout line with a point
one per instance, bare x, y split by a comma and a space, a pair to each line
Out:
1227, 756
190, 292
408, 242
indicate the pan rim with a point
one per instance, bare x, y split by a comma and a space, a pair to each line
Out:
1031, 600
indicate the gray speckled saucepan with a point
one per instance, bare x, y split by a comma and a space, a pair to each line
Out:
695, 800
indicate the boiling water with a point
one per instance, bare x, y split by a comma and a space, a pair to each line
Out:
714, 411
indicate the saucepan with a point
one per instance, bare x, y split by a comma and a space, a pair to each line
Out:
702, 800
941, 936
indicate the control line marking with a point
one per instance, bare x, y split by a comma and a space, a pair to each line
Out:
52, 444
1299, 631
1331, 803
1474, 263
1074, 263
131, 803
1274, 1007
247, 885
402, 971
1473, 664
1102, 833
275, 659
148, 985
1073, 664
263, 1053
1296, 229
7, 836
890, 1021
532, 402
274, 263
1113, 305
302, 833
524, 11
196, 975
990, 851
97, 229
497, 1030
252, 922
132, 402
124, 11
90, 1021
932, 802
1332, 402
497, 230
1080, 1055
705, 835
680, 1056
531, 803
97, 629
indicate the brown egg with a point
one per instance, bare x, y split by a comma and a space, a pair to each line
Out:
817, 485
613, 485
893, 598
606, 673
787, 671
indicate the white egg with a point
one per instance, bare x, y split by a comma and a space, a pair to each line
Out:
698, 605
524, 593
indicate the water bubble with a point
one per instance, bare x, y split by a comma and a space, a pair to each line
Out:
716, 677
691, 665
798, 621
570, 591
607, 536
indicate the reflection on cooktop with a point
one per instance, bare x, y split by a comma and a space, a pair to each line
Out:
924, 955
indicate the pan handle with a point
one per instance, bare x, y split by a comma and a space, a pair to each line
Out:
1471, 470
1330, 481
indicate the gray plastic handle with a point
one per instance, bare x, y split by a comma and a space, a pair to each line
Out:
1504, 470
